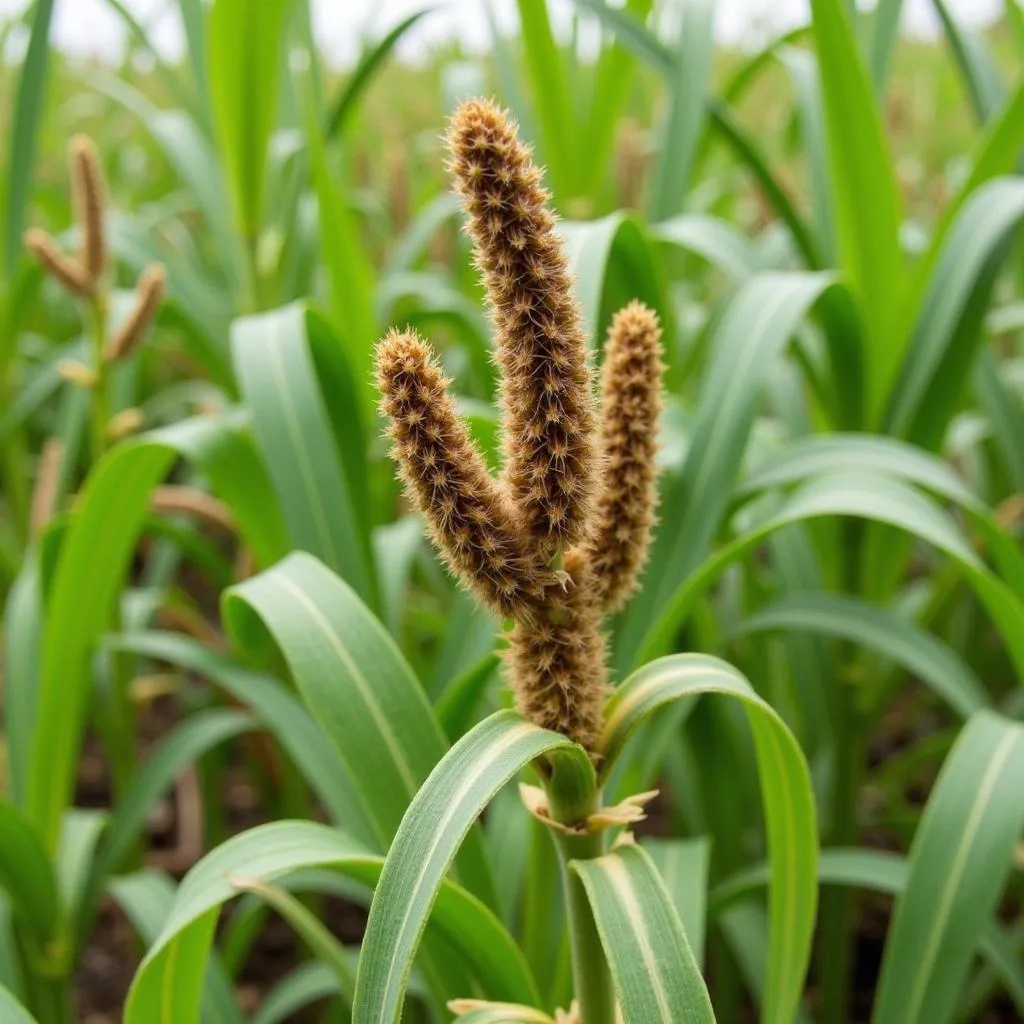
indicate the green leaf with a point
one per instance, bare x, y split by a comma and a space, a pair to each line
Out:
89, 574
353, 88
12, 1011
688, 87
244, 40
866, 496
805, 457
79, 837
292, 428
553, 103
977, 65
654, 970
280, 713
26, 875
437, 821
23, 620
885, 27
849, 618
28, 113
785, 791
863, 186
1005, 412
878, 871
350, 675
948, 329
146, 897
959, 862
166, 987
722, 244
683, 865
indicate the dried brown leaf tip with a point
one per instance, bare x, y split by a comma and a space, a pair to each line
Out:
541, 348
631, 405
149, 293
541, 546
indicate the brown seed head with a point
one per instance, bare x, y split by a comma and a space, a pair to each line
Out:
66, 271
149, 293
631, 404
557, 662
172, 499
44, 495
125, 423
549, 414
89, 195
467, 515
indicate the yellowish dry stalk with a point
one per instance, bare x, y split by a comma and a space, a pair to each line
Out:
149, 293
542, 547
44, 495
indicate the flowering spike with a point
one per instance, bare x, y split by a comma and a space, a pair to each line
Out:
149, 293
66, 271
89, 194
549, 414
467, 514
631, 400
557, 662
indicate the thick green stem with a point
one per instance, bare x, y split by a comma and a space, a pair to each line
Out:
570, 803
592, 979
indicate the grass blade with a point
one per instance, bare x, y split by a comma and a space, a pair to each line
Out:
12, 1011
292, 427
684, 865
26, 874
785, 791
959, 863
863, 185
28, 113
437, 821
166, 987
654, 970
88, 578
847, 617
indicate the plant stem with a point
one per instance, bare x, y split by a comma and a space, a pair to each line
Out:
591, 976
99, 415
571, 804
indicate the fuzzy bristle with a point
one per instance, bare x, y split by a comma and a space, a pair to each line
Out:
444, 473
631, 404
149, 293
89, 195
556, 663
541, 349
68, 272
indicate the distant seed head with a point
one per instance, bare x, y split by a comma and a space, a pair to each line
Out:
68, 272
149, 293
89, 196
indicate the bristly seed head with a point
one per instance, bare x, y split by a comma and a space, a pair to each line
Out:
149, 293
467, 515
631, 405
537, 322
89, 196
542, 547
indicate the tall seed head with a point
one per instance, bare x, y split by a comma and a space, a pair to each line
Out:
631, 404
63, 269
541, 349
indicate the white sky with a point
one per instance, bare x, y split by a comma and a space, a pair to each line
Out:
91, 28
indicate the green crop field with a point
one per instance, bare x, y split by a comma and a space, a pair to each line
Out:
530, 536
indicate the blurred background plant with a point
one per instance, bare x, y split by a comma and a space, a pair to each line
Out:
229, 591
